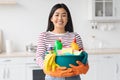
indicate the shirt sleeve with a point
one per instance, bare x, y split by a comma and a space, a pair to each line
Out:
41, 49
79, 41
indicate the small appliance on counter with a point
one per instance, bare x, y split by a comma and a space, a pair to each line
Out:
31, 48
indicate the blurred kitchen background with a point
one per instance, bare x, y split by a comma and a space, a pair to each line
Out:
21, 21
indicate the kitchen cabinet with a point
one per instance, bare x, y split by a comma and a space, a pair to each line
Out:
16, 72
33, 71
103, 67
12, 69
2, 72
118, 69
117, 9
104, 10
106, 67
91, 74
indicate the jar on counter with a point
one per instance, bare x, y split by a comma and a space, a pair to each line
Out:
9, 46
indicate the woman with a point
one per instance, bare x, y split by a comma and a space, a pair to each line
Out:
59, 26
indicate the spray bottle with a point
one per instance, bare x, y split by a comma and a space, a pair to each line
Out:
57, 46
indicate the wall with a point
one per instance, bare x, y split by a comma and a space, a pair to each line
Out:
23, 22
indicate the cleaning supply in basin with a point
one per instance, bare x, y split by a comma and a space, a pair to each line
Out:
58, 46
74, 45
50, 49
65, 60
63, 56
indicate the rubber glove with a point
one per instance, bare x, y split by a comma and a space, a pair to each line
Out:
68, 72
80, 69
61, 72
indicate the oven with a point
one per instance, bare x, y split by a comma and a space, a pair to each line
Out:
34, 72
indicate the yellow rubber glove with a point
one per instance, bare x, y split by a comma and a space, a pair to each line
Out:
49, 62
80, 69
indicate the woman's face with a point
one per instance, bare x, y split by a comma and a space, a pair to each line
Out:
60, 18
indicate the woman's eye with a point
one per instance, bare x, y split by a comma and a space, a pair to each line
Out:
64, 15
56, 15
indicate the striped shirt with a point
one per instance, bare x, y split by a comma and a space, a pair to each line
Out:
48, 38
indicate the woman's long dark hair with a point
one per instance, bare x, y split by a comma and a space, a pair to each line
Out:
69, 25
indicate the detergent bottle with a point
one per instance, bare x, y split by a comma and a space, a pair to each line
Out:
50, 49
57, 46
74, 45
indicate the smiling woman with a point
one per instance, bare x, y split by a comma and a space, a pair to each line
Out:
59, 28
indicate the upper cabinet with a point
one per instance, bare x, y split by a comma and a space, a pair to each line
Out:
104, 10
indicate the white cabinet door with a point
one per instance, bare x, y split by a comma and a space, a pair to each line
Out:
106, 67
117, 8
102, 67
118, 68
16, 72
2, 72
12, 68
91, 74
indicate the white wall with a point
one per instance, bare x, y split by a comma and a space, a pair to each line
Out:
23, 22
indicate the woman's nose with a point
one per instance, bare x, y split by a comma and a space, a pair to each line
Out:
60, 17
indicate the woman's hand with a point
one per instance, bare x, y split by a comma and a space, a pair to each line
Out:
61, 72
80, 69
68, 72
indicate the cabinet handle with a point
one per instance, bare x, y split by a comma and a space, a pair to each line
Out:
108, 57
8, 73
115, 12
7, 60
4, 73
34, 67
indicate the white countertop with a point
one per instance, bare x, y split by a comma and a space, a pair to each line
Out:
17, 54
89, 51
103, 51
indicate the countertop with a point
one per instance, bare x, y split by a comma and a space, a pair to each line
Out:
17, 54
103, 51
89, 51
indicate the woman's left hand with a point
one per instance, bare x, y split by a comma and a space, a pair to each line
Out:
80, 69
60, 72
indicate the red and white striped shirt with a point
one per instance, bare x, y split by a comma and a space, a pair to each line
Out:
48, 38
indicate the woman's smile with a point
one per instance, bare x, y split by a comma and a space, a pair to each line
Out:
60, 22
